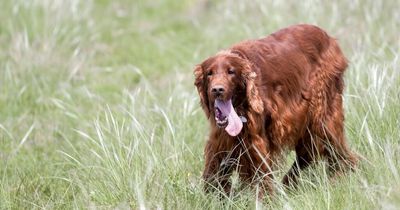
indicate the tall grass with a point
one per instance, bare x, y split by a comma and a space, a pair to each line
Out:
98, 110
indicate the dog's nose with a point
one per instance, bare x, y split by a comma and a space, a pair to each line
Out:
218, 90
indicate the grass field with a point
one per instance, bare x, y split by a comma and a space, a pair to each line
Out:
98, 107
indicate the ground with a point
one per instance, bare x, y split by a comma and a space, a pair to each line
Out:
98, 107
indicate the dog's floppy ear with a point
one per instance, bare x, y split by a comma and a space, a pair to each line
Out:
200, 84
249, 76
253, 96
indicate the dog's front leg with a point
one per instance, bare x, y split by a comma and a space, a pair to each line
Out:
217, 170
256, 166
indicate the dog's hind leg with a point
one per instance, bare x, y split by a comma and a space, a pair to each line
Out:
327, 117
337, 151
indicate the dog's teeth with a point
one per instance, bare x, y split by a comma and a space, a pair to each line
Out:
221, 122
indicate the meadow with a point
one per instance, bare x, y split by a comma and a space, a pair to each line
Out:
98, 109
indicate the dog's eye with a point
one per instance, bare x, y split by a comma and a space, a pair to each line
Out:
231, 71
209, 73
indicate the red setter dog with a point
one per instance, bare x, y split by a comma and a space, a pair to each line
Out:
266, 96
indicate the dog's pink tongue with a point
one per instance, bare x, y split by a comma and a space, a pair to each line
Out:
235, 125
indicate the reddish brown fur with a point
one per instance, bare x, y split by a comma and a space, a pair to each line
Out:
289, 86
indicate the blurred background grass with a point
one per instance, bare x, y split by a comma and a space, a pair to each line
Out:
98, 110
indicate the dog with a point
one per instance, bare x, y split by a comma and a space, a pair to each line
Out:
266, 96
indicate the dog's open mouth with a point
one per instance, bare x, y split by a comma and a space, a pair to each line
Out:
226, 117
222, 121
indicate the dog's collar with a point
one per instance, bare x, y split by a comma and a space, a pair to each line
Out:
243, 119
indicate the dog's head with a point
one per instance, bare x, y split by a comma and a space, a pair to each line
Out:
224, 81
